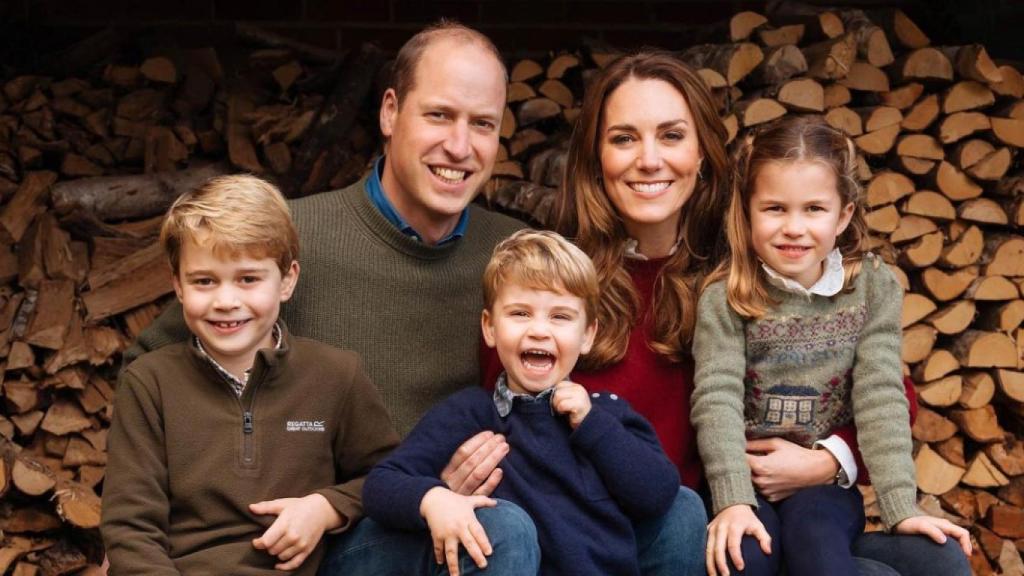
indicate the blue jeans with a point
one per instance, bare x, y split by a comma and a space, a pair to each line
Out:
369, 549
672, 545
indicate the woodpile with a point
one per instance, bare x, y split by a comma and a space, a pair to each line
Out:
89, 161
88, 164
939, 131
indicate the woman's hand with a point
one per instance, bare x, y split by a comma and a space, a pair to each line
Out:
935, 528
779, 467
726, 532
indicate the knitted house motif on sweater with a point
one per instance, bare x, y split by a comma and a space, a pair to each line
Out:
787, 393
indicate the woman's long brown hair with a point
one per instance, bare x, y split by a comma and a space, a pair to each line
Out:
584, 212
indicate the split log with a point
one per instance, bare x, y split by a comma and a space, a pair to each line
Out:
78, 505
916, 307
31, 476
918, 341
887, 187
562, 64
981, 473
993, 166
979, 424
967, 95
911, 228
1011, 384
939, 363
922, 114
942, 392
837, 95
525, 70
934, 474
535, 110
924, 252
773, 37
1004, 318
953, 319
952, 449
954, 184
557, 91
920, 146
980, 349
866, 78
779, 64
741, 25
818, 22
983, 210
978, 389
132, 196
930, 205
923, 65
25, 205
1004, 255
898, 26
1009, 131
1008, 456
963, 251
960, 125
758, 111
872, 44
973, 62
844, 119
733, 61
1012, 84
831, 59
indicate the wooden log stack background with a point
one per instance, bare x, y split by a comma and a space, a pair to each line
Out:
89, 161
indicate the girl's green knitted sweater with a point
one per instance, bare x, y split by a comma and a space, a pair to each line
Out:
806, 367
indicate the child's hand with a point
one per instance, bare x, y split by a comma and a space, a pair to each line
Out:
572, 400
300, 524
726, 532
452, 521
935, 528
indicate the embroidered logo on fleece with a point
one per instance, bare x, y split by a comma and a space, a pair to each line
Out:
305, 426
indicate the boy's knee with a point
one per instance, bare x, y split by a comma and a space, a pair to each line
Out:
512, 534
507, 522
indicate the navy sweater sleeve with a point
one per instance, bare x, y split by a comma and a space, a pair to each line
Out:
395, 487
624, 449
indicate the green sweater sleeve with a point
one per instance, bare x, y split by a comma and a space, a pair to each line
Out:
879, 403
136, 503
365, 437
719, 354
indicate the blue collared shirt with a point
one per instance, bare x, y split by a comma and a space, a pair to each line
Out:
376, 193
504, 397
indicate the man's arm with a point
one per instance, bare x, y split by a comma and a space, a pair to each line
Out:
168, 328
135, 495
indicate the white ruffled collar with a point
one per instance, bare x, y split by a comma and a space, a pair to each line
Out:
632, 252
830, 283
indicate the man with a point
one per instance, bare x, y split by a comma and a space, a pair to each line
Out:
392, 268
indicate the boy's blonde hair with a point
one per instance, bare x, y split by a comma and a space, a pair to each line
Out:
542, 260
232, 215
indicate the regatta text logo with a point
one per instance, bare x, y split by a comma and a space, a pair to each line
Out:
305, 426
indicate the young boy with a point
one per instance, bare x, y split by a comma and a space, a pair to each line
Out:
582, 466
236, 451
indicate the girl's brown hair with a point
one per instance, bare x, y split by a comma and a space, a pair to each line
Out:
583, 211
791, 139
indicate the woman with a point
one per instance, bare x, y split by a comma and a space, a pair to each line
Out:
644, 195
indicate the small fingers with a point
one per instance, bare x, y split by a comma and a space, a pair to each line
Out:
438, 550
451, 554
473, 548
294, 563
477, 530
735, 552
762, 537
721, 541
709, 555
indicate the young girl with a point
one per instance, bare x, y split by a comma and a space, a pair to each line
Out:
802, 336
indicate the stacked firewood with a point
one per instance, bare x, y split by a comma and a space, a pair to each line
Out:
938, 131
88, 163
93, 150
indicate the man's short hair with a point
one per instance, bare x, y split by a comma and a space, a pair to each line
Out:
403, 74
542, 260
232, 215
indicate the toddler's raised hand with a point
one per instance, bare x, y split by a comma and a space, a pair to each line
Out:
572, 400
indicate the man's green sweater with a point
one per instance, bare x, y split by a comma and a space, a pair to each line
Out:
804, 368
412, 311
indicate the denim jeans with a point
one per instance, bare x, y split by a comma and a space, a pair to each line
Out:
370, 549
672, 545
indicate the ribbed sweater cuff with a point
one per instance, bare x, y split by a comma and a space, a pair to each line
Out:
731, 490
898, 505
